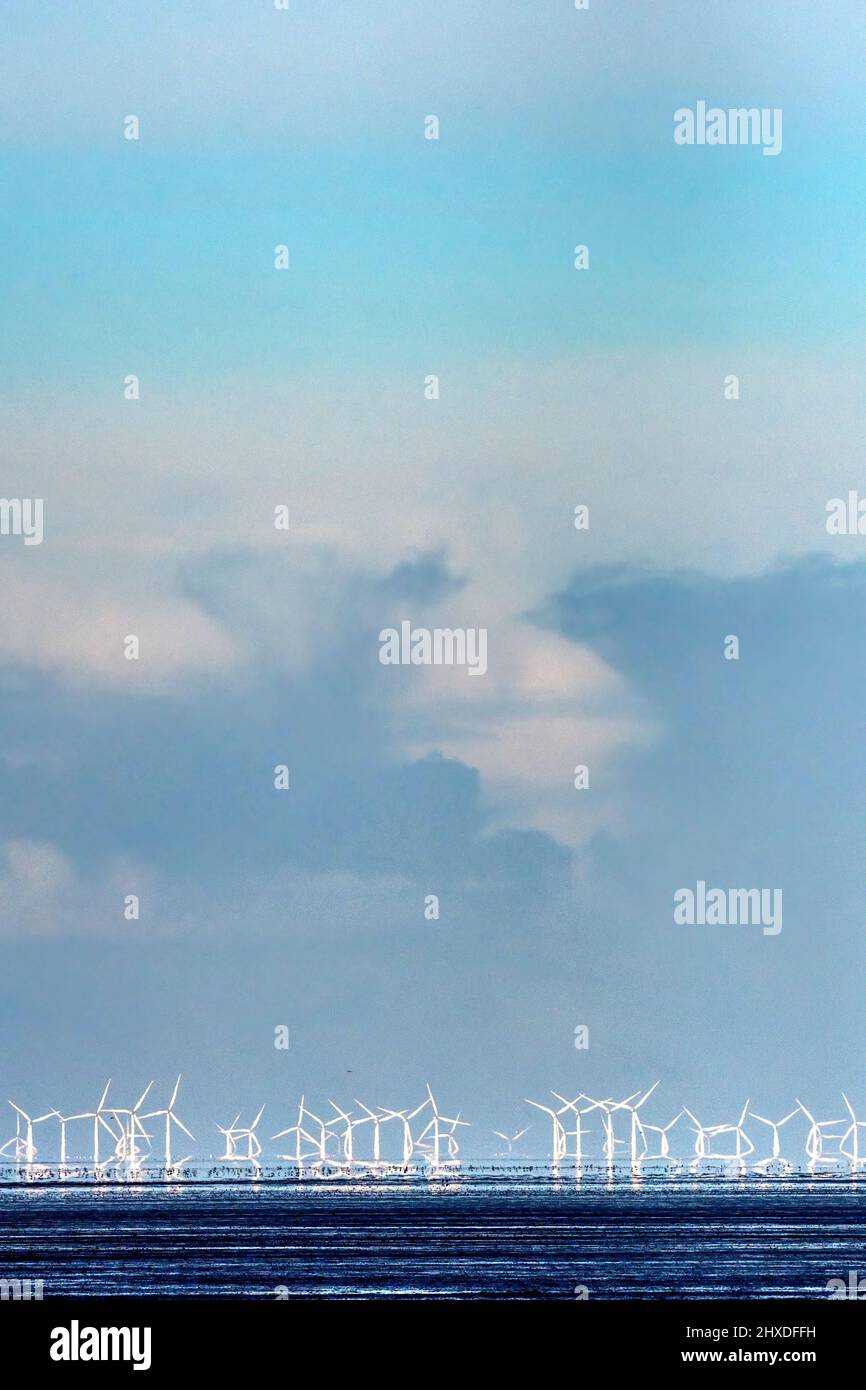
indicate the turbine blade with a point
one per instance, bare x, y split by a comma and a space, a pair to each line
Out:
141, 1098
646, 1095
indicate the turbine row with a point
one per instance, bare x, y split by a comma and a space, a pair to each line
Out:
582, 1130
627, 1137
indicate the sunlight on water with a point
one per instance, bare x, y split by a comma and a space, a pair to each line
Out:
478, 1234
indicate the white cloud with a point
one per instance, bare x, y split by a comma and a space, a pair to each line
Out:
544, 706
489, 475
77, 633
43, 894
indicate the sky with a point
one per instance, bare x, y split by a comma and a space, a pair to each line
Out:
259, 647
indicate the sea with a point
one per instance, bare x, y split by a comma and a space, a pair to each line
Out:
480, 1233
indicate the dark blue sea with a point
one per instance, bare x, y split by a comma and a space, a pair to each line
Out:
477, 1236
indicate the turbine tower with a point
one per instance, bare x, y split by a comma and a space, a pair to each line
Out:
376, 1119
852, 1136
345, 1140
707, 1133
819, 1134
300, 1133
438, 1130
170, 1119
100, 1122
131, 1130
662, 1132
636, 1133
560, 1134
403, 1117
775, 1126
235, 1136
25, 1148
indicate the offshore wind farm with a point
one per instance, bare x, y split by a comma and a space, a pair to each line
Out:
118, 1142
609, 1196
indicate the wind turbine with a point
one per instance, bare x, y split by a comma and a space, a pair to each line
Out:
376, 1120
852, 1132
404, 1117
322, 1141
662, 1132
346, 1139
558, 1146
711, 1132
25, 1148
817, 1136
435, 1129
635, 1129
170, 1119
775, 1126
573, 1107
300, 1133
64, 1121
561, 1135
132, 1129
234, 1135
99, 1122
510, 1139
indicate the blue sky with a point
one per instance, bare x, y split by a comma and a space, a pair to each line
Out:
558, 387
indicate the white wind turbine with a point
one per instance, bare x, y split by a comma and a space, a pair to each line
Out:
64, 1121
664, 1141
510, 1139
404, 1117
610, 1107
573, 1107
324, 1135
301, 1133
558, 1144
170, 1119
25, 1148
852, 1133
346, 1139
131, 1130
707, 1133
374, 1118
819, 1134
235, 1135
99, 1122
439, 1128
775, 1126
561, 1135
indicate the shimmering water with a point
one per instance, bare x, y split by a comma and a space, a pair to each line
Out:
480, 1236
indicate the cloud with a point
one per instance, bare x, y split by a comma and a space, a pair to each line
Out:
77, 635
41, 894
543, 707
